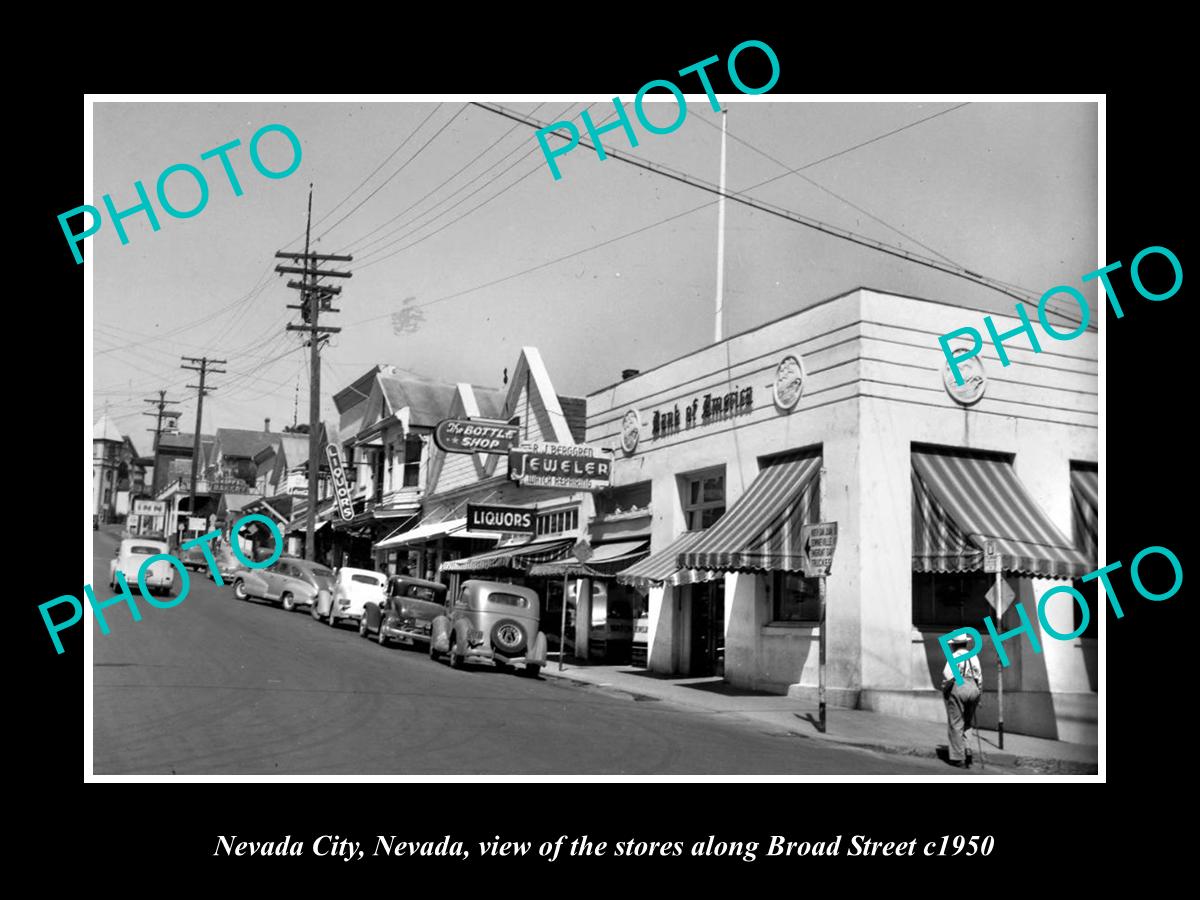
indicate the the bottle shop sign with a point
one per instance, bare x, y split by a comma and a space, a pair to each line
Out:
476, 436
341, 490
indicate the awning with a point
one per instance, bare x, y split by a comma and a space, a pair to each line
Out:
962, 501
516, 556
456, 528
1085, 507
663, 568
761, 531
605, 562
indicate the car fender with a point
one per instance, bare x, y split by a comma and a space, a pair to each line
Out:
439, 634
537, 652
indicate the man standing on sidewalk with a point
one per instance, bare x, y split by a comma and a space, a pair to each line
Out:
962, 700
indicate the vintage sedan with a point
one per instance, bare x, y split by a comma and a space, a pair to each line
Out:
407, 615
131, 554
352, 590
490, 621
290, 582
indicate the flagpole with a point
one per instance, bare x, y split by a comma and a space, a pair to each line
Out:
717, 319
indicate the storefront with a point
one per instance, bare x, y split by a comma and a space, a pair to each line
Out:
845, 412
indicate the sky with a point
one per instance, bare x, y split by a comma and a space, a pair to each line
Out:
609, 268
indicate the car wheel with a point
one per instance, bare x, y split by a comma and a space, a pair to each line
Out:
287, 602
456, 661
382, 638
508, 637
239, 590
362, 627
433, 654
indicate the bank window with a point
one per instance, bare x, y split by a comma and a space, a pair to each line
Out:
951, 599
703, 499
558, 522
795, 598
412, 461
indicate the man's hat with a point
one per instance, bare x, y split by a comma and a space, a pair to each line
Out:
960, 639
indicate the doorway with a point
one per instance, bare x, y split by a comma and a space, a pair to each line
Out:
708, 628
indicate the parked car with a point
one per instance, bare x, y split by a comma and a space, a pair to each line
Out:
408, 613
131, 555
490, 621
227, 564
290, 582
352, 590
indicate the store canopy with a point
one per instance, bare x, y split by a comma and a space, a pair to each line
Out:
430, 530
1085, 505
761, 531
662, 567
961, 502
605, 562
515, 556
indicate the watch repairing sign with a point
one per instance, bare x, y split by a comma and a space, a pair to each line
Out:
558, 465
341, 489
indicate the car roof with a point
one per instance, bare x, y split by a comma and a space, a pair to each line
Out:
420, 582
361, 572
125, 542
501, 586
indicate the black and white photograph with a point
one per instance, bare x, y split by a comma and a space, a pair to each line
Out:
686, 434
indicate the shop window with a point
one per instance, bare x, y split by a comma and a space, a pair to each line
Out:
412, 461
951, 600
795, 598
623, 500
558, 522
703, 499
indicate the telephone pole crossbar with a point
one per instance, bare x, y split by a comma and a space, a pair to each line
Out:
205, 368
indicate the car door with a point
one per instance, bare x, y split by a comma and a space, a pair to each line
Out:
288, 579
275, 577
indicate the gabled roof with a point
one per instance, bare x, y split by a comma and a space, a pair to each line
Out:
106, 430
428, 401
242, 443
182, 440
575, 409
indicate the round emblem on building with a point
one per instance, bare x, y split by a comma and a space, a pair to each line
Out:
631, 431
789, 382
974, 381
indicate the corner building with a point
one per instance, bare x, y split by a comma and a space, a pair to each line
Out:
846, 412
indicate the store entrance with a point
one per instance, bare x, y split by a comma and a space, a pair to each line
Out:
708, 628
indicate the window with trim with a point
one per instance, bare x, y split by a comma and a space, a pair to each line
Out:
795, 598
951, 599
703, 499
559, 521
412, 461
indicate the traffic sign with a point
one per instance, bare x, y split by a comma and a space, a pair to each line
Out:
992, 561
817, 543
1007, 595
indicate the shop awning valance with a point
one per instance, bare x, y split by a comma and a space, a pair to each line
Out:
960, 502
1085, 507
428, 531
761, 531
663, 567
516, 556
605, 562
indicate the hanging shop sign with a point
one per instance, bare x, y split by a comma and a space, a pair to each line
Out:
149, 507
790, 379
818, 543
341, 490
510, 519
558, 465
476, 435
706, 409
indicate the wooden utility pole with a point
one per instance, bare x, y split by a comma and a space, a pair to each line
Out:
161, 403
314, 298
205, 367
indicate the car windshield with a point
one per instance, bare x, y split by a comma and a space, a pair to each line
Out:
366, 579
138, 550
321, 570
422, 593
508, 599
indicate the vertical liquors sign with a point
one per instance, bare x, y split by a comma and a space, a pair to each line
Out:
337, 474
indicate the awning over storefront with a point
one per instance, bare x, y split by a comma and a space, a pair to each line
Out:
1085, 506
430, 530
605, 562
516, 556
663, 568
761, 532
962, 501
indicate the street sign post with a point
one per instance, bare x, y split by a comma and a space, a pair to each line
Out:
817, 543
993, 563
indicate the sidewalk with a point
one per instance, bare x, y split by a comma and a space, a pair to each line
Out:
855, 727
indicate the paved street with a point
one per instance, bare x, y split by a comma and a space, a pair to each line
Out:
218, 686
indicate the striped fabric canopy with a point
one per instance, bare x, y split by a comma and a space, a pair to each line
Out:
605, 562
1085, 505
519, 556
761, 532
961, 501
661, 568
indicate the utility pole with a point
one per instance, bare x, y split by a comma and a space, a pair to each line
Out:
161, 403
204, 369
314, 297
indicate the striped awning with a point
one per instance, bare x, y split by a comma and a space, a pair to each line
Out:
663, 568
761, 531
962, 501
516, 556
605, 562
1085, 508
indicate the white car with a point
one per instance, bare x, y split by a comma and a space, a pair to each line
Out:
131, 554
353, 589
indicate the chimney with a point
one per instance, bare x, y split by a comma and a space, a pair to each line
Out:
267, 425
626, 374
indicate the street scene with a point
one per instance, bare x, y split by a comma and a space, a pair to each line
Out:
675, 462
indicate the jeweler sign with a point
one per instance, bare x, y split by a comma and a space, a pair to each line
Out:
817, 543
341, 489
476, 436
558, 465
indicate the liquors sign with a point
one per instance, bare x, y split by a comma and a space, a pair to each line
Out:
341, 490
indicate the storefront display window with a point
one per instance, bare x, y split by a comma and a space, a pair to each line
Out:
795, 598
703, 499
951, 599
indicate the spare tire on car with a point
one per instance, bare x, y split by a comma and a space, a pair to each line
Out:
508, 637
